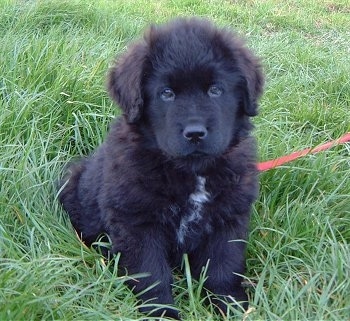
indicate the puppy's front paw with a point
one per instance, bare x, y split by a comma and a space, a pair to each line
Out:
237, 300
167, 312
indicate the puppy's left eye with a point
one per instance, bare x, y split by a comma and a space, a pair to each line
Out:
167, 94
215, 91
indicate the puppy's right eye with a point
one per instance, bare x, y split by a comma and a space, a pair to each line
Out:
167, 94
215, 91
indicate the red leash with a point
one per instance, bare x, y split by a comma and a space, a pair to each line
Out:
264, 166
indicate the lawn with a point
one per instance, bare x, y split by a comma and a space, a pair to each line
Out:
54, 56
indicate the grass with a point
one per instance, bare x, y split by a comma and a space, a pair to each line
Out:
53, 107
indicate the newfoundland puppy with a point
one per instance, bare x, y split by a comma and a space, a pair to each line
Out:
177, 172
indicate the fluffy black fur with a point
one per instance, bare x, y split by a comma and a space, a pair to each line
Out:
177, 172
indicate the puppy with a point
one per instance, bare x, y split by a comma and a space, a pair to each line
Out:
177, 172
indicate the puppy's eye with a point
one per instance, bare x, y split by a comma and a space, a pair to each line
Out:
167, 94
215, 91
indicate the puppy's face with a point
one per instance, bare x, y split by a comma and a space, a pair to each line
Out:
191, 85
195, 111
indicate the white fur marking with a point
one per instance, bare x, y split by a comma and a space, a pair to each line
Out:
196, 201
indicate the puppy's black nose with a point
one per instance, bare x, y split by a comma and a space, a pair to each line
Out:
195, 133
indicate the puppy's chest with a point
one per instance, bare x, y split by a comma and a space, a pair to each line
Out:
189, 219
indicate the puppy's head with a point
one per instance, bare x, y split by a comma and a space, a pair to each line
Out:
195, 86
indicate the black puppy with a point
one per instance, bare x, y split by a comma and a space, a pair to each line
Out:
177, 172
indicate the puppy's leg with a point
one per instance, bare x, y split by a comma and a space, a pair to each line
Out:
77, 194
226, 255
143, 250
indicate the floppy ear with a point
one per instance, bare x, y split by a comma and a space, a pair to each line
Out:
252, 82
125, 81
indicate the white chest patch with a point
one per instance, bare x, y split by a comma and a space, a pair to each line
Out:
196, 201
